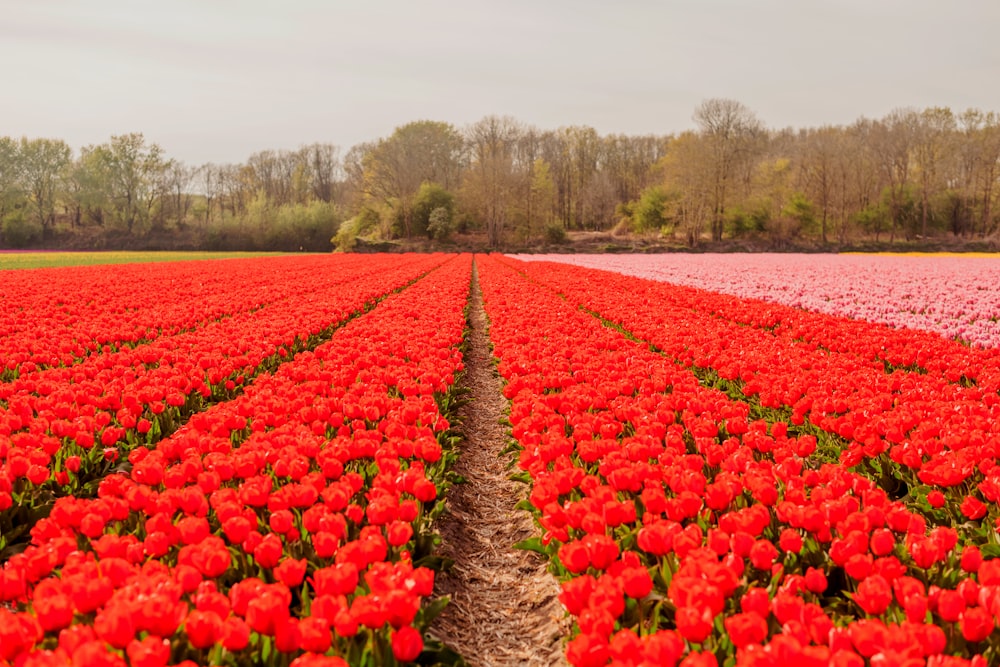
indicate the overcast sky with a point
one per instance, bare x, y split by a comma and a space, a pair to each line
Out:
216, 80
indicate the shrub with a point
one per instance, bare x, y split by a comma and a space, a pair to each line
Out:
555, 234
439, 224
19, 231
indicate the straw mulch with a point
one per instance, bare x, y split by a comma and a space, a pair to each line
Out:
504, 608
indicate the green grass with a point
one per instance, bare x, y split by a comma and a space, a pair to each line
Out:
35, 260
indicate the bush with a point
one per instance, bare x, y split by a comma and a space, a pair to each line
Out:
303, 227
555, 234
346, 238
649, 214
439, 224
429, 199
19, 231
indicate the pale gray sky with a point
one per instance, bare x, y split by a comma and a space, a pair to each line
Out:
216, 80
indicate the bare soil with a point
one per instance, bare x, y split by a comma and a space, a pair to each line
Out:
504, 608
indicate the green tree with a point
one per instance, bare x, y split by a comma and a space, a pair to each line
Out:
419, 152
302, 227
123, 177
428, 199
43, 167
650, 212
11, 195
439, 224
20, 231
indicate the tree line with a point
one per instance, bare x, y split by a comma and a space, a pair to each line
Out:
914, 174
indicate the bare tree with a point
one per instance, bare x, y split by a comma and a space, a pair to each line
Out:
178, 182
733, 133
324, 169
933, 128
892, 141
689, 177
493, 175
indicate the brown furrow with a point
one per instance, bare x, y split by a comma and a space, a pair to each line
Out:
504, 607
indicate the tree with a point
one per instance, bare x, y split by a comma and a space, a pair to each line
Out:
818, 157
933, 129
628, 163
177, 180
688, 177
43, 166
493, 176
980, 149
208, 174
733, 134
540, 202
10, 175
325, 169
585, 155
431, 197
892, 141
439, 224
395, 168
650, 212
859, 161
124, 177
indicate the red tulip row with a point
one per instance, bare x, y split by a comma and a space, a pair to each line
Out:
906, 349
689, 532
918, 428
63, 429
286, 526
56, 317
956, 297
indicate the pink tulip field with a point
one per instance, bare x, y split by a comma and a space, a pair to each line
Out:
957, 297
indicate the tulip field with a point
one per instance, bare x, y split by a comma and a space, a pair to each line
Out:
242, 461
957, 296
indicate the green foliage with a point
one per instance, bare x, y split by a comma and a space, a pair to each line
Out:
396, 168
802, 212
873, 219
121, 178
302, 227
346, 238
625, 210
954, 211
748, 220
649, 213
259, 214
439, 226
543, 196
429, 198
43, 163
229, 235
20, 231
903, 207
555, 233
368, 220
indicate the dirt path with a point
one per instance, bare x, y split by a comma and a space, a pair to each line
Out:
504, 608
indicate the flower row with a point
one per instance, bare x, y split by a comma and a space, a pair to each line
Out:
56, 317
957, 297
904, 349
919, 428
286, 525
687, 531
63, 429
